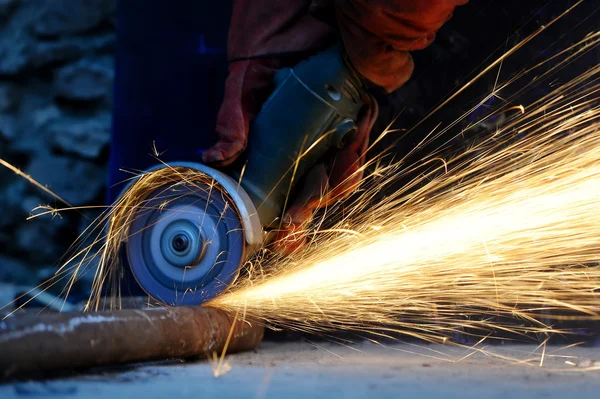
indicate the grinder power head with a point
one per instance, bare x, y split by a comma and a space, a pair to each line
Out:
187, 242
188, 238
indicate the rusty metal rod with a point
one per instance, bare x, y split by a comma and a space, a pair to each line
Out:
34, 344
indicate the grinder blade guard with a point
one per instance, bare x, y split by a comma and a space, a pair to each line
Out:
188, 241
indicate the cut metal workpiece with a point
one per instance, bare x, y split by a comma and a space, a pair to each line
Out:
36, 344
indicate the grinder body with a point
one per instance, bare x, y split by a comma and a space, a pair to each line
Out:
313, 109
187, 243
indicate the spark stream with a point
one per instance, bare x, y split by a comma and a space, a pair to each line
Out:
510, 229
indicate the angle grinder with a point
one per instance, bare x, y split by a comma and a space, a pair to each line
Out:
189, 240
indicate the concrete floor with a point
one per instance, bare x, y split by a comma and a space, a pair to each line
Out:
304, 370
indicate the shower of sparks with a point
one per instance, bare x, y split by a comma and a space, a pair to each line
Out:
510, 230
503, 237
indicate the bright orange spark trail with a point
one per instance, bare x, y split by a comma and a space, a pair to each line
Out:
510, 231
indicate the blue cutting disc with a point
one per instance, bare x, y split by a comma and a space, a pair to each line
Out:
186, 244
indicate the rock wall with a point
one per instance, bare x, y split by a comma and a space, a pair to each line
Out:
56, 73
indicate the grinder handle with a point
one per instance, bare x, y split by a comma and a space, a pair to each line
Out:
313, 108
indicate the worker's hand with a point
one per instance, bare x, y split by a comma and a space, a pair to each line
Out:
264, 36
268, 35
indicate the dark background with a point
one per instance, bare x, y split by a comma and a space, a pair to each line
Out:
56, 95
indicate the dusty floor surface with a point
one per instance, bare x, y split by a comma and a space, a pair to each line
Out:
304, 370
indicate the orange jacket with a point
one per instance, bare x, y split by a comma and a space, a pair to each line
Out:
378, 34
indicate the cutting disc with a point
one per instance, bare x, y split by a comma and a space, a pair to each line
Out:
186, 243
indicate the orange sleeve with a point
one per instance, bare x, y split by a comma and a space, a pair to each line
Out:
379, 34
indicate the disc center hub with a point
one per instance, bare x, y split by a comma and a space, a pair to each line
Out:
182, 243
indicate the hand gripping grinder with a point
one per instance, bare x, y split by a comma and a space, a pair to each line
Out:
189, 240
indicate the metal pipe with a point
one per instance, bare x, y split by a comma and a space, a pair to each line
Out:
34, 344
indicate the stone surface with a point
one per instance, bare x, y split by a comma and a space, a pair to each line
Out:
7, 127
46, 53
78, 182
21, 52
59, 17
8, 292
15, 271
45, 115
41, 238
67, 49
8, 97
33, 141
82, 137
6, 6
15, 50
87, 79
10, 200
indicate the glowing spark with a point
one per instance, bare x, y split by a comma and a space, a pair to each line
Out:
499, 61
508, 234
570, 363
24, 175
220, 366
